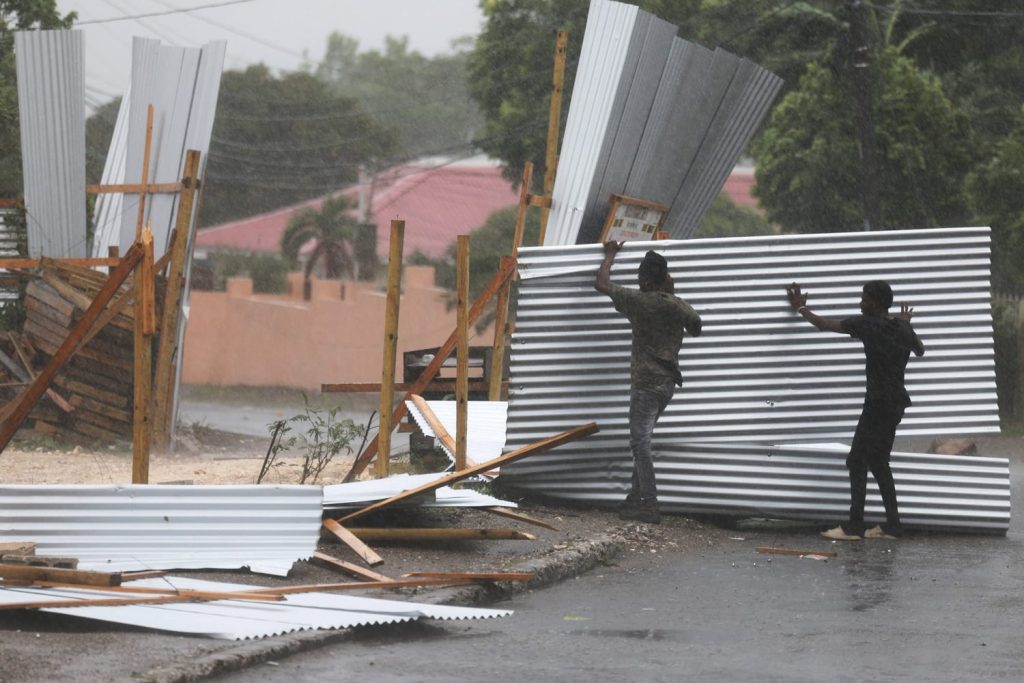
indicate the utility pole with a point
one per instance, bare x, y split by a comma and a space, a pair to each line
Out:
860, 62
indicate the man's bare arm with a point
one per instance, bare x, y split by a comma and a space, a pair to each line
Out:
798, 300
603, 281
906, 313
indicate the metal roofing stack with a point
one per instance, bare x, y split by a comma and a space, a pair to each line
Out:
652, 116
182, 84
759, 374
136, 527
51, 106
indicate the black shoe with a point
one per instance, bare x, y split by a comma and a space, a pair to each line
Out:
631, 500
644, 511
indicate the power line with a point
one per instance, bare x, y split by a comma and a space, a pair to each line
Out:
182, 10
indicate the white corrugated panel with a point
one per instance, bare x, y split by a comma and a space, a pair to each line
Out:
241, 619
110, 205
134, 527
51, 106
656, 118
963, 493
759, 374
358, 494
485, 422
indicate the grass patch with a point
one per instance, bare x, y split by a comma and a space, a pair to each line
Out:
279, 397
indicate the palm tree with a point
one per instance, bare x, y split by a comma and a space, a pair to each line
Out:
332, 228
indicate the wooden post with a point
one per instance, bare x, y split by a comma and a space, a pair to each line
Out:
462, 355
554, 123
500, 337
524, 202
427, 375
31, 396
142, 378
167, 344
144, 188
387, 376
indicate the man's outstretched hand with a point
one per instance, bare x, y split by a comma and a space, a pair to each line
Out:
611, 248
796, 297
906, 312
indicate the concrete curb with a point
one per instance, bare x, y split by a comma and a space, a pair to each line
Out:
557, 565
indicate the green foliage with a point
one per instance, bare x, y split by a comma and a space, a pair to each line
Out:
996, 188
333, 229
99, 129
1007, 340
808, 158
17, 15
278, 141
725, 219
323, 437
425, 100
267, 271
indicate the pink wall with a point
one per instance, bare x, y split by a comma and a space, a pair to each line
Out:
240, 338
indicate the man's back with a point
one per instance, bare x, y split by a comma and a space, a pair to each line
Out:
658, 320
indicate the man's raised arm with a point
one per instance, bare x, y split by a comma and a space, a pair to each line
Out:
798, 300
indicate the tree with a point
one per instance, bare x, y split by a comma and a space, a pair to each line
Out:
808, 176
18, 15
726, 219
425, 100
332, 229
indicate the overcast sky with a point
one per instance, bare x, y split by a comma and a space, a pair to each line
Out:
278, 33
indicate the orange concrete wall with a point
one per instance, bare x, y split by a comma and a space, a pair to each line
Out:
240, 338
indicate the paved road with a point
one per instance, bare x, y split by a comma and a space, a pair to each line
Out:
928, 607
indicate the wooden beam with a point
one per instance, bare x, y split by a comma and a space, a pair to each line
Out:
367, 585
96, 602
494, 388
348, 538
540, 200
27, 374
448, 479
440, 534
554, 124
347, 567
77, 576
518, 516
387, 373
428, 374
142, 383
182, 592
524, 202
30, 263
462, 349
148, 295
766, 550
31, 396
440, 433
18, 547
144, 186
476, 576
447, 385
134, 188
176, 257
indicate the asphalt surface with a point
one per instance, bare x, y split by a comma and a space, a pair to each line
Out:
935, 607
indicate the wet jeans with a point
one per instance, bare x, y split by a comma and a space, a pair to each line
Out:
645, 407
870, 450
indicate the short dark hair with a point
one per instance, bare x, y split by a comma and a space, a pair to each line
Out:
879, 291
654, 268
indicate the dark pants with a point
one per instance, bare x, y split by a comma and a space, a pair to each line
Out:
870, 451
645, 407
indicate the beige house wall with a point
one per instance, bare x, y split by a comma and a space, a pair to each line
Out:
237, 338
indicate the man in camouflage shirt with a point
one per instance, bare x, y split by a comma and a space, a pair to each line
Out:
658, 319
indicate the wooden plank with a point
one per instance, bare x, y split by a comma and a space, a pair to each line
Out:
494, 389
368, 585
33, 560
348, 538
439, 534
97, 602
108, 398
554, 123
40, 291
462, 349
347, 567
99, 408
518, 516
476, 576
18, 547
27, 375
144, 188
35, 391
440, 433
448, 479
170, 312
387, 373
428, 374
793, 551
77, 576
133, 188
30, 263
147, 303
181, 592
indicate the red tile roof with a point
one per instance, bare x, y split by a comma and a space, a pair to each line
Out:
437, 200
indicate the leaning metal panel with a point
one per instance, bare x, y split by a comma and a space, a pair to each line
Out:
759, 374
51, 104
963, 493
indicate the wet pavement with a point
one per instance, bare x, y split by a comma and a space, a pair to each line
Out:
936, 607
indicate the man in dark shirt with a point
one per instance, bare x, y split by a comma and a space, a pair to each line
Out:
888, 342
658, 319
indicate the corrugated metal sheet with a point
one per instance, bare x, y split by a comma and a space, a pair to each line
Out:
486, 424
110, 205
134, 527
358, 494
51, 106
651, 116
240, 619
759, 374
962, 493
